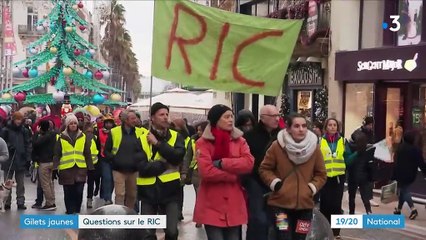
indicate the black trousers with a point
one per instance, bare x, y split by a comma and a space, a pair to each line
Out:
299, 224
331, 198
73, 197
93, 179
364, 190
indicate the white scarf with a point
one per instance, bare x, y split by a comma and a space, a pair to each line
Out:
301, 152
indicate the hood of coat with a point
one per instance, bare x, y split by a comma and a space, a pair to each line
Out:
207, 134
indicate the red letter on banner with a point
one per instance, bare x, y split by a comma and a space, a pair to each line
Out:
181, 42
223, 35
236, 73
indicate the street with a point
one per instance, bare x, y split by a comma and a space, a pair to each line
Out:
9, 224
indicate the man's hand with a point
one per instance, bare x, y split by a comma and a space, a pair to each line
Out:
152, 139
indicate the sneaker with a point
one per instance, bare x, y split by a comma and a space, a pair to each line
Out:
413, 214
198, 225
338, 237
36, 206
96, 192
48, 208
89, 203
373, 203
22, 207
108, 202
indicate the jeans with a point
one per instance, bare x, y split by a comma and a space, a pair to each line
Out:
73, 197
405, 196
299, 224
20, 188
222, 233
170, 209
93, 179
364, 190
106, 181
258, 223
40, 195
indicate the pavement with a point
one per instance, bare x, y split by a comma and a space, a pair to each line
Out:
9, 221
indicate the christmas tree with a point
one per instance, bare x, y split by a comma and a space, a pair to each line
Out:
68, 58
321, 105
285, 105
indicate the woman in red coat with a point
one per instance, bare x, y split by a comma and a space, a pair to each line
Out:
223, 156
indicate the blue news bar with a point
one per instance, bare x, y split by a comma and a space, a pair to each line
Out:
383, 221
49, 221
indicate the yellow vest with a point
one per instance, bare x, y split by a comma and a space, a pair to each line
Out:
194, 163
72, 155
335, 165
117, 134
94, 151
170, 174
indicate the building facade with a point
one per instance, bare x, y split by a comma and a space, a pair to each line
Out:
377, 66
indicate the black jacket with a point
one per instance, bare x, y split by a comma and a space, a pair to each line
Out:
361, 169
129, 153
259, 141
18, 142
43, 147
172, 157
408, 159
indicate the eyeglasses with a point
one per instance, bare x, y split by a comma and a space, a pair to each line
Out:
272, 115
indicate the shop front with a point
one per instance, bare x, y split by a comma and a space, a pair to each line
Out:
303, 79
388, 84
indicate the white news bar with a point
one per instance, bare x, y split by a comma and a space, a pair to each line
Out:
121, 221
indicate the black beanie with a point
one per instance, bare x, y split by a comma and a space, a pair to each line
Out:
157, 106
368, 120
216, 112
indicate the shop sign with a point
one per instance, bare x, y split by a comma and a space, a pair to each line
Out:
396, 63
417, 117
312, 21
305, 75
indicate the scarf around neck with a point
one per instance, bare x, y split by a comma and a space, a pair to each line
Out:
222, 141
301, 152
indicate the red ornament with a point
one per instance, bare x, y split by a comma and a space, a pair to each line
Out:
99, 75
77, 52
52, 81
25, 73
82, 28
20, 97
80, 5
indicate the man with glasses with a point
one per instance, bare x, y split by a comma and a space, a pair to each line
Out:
259, 140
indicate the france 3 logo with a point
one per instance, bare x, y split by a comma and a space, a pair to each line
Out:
395, 24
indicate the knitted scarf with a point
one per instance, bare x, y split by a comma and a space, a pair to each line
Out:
222, 142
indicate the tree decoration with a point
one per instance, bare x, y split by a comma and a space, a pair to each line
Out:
16, 71
285, 105
77, 52
68, 29
45, 24
105, 74
98, 75
32, 73
75, 7
98, 99
40, 28
88, 74
25, 73
33, 50
80, 5
6, 96
67, 71
92, 51
115, 97
53, 50
58, 96
82, 27
87, 54
20, 97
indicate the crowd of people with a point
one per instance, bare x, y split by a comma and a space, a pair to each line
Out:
266, 174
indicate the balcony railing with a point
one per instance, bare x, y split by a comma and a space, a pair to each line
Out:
28, 30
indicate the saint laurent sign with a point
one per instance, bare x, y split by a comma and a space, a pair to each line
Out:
305, 75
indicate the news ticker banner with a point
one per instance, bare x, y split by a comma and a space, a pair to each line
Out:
367, 221
92, 221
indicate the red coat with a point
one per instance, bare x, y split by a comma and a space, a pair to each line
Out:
220, 199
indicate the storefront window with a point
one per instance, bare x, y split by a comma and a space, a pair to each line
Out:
304, 104
359, 103
410, 12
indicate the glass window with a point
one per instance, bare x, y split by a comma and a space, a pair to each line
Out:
410, 12
262, 9
304, 104
359, 103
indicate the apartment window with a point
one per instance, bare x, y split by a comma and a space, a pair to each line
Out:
32, 18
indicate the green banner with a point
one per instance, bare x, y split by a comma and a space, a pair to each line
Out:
206, 47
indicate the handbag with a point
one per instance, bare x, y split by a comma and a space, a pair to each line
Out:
389, 193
